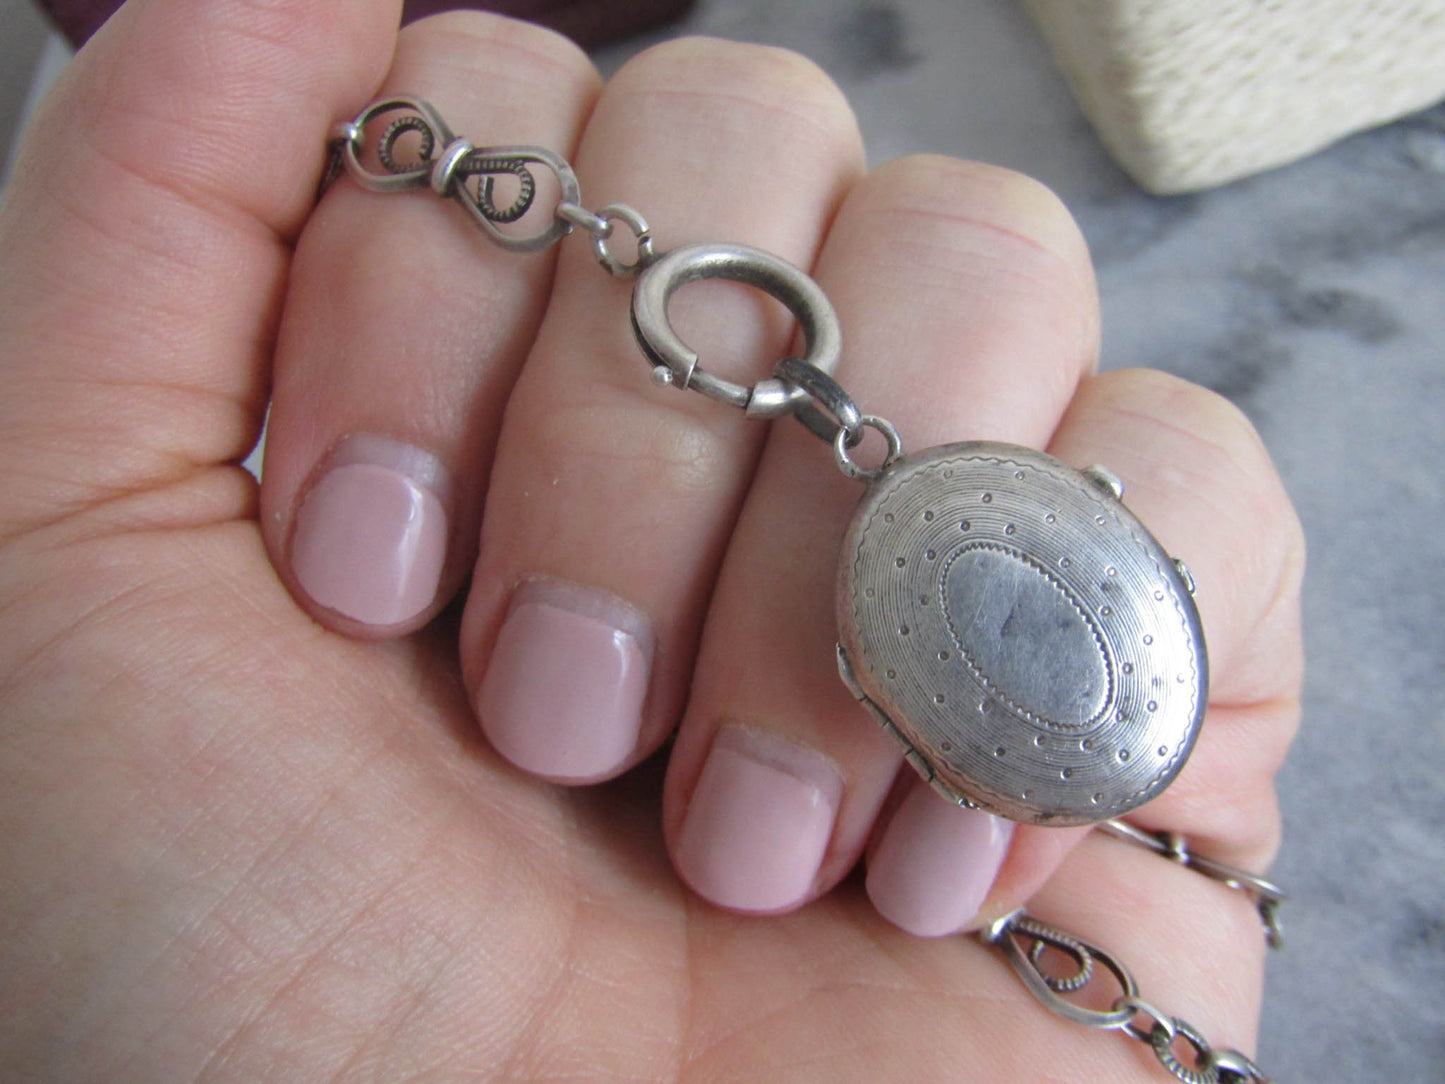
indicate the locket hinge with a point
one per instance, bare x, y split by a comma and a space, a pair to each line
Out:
910, 752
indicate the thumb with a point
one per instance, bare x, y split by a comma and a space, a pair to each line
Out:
145, 239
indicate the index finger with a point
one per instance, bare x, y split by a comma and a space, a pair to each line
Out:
146, 251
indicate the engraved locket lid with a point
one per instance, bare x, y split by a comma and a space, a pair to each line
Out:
1022, 632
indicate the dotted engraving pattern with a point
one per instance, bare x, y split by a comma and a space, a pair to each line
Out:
990, 748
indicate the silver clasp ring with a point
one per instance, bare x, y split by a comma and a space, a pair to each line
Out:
675, 363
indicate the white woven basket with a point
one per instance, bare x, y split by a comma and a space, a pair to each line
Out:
1187, 94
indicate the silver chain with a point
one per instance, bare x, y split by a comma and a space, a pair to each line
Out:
803, 387
417, 149
1025, 942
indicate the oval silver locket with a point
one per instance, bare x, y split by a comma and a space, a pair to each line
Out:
1023, 635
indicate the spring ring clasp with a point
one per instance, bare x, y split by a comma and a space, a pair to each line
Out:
675, 363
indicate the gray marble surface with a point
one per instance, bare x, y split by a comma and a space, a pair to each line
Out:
1311, 296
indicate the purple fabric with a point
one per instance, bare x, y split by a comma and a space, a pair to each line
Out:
588, 22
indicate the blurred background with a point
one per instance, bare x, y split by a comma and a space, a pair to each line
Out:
1312, 295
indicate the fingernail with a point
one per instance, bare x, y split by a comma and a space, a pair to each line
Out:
932, 870
759, 821
564, 691
371, 536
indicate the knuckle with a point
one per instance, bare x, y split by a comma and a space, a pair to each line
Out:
991, 208
457, 43
749, 78
1198, 427
999, 241
1219, 436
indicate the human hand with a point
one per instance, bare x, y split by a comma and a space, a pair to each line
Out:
252, 830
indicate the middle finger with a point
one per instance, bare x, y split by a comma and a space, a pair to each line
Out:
611, 502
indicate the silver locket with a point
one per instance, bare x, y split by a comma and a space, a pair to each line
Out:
1020, 632
1004, 616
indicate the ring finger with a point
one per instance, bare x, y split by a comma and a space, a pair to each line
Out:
969, 312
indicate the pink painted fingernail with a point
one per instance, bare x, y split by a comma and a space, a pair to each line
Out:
759, 821
564, 691
936, 862
371, 535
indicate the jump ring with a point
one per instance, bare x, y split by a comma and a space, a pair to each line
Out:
851, 468
444, 168
641, 232
584, 219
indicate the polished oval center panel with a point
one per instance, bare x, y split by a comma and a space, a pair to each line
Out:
1025, 636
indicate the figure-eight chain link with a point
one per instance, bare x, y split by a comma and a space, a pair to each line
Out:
416, 149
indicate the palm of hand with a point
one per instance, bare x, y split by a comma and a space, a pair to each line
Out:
317, 867
285, 854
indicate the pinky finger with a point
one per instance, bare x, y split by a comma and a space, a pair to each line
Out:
1199, 476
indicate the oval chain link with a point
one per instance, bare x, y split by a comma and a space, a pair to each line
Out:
1267, 896
599, 225
798, 387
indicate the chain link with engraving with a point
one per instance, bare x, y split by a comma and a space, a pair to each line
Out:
1025, 941
416, 149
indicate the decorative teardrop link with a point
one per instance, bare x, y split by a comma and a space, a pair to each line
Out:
489, 168
1008, 933
1071, 947
1161, 1032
